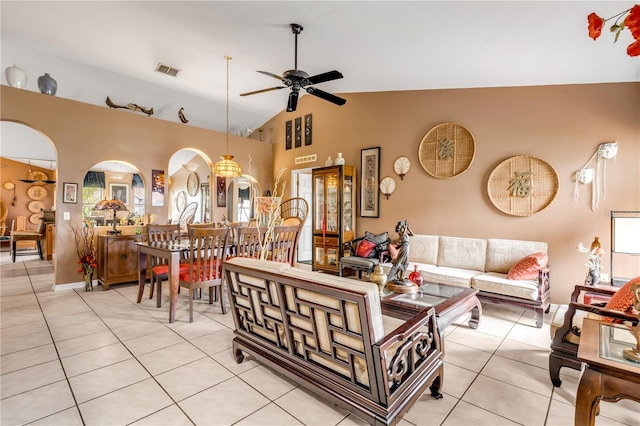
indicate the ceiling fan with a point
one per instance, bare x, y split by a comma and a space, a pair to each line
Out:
297, 79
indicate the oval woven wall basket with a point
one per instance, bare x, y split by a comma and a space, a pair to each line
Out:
447, 150
522, 185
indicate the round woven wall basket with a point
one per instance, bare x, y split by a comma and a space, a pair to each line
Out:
447, 151
522, 185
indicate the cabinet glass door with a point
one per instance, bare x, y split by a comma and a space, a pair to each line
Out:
319, 206
347, 206
332, 202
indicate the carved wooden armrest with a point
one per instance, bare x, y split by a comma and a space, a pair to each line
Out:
408, 353
567, 324
606, 290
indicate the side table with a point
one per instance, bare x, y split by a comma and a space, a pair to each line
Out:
608, 376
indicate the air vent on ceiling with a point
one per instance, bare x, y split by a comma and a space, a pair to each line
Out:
166, 69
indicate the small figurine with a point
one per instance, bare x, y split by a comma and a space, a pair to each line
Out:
397, 281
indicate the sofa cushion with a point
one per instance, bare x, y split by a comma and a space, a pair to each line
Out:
376, 238
494, 282
423, 249
622, 300
528, 267
465, 253
503, 254
452, 276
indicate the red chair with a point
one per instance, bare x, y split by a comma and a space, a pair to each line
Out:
207, 252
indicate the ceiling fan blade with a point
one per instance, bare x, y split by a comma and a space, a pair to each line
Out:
293, 101
326, 96
271, 75
327, 76
262, 91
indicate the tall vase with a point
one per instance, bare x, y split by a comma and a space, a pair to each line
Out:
16, 77
88, 281
595, 245
593, 277
47, 84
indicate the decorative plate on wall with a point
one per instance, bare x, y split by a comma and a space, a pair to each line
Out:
38, 176
37, 192
522, 185
192, 184
181, 201
35, 218
9, 185
36, 206
447, 151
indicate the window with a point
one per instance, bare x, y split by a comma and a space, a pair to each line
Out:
90, 197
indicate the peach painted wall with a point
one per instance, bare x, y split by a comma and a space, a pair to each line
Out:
562, 125
85, 135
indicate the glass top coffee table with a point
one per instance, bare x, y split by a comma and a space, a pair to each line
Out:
450, 303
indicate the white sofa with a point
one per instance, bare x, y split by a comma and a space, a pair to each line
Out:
482, 264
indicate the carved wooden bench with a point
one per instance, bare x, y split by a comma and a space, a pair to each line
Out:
328, 334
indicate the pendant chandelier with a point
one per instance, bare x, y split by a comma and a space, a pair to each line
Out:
226, 167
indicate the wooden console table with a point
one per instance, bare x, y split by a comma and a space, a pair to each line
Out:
117, 259
608, 375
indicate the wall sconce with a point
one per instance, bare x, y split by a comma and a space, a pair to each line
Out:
387, 186
190, 167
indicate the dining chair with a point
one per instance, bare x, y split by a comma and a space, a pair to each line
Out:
26, 235
208, 249
249, 240
160, 266
285, 243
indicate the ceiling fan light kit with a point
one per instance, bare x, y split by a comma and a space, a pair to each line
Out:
296, 80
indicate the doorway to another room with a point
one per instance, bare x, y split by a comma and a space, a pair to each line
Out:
301, 187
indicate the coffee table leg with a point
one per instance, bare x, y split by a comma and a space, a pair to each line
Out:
476, 314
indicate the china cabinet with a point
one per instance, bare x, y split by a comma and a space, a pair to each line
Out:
333, 217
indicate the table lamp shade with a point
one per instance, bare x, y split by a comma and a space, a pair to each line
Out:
115, 205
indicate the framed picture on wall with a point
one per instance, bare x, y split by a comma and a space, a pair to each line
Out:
307, 130
221, 191
287, 131
119, 191
157, 188
70, 193
369, 194
298, 124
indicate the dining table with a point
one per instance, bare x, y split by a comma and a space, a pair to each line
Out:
173, 251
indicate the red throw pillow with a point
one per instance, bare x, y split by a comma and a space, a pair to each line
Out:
527, 268
365, 248
622, 300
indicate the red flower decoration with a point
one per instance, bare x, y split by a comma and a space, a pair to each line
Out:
595, 25
632, 21
634, 48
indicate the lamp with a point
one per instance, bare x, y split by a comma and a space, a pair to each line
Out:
32, 177
625, 238
115, 205
190, 167
226, 167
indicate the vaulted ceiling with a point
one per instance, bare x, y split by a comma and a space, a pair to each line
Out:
96, 49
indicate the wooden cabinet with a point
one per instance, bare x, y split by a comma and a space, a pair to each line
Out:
51, 240
117, 259
333, 216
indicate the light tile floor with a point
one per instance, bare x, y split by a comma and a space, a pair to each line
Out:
98, 358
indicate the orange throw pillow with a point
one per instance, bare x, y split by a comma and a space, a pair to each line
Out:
622, 300
527, 268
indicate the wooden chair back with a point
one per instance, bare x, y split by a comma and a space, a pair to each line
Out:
249, 241
207, 252
285, 243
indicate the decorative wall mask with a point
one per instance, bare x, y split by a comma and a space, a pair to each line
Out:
584, 175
